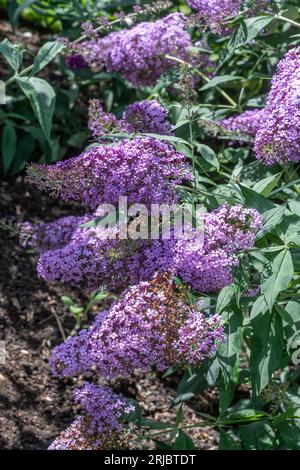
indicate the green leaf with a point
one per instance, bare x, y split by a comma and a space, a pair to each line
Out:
42, 99
246, 32
271, 219
67, 300
8, 146
183, 442
295, 207
228, 355
290, 315
12, 55
266, 349
219, 80
259, 306
257, 436
135, 415
160, 445
256, 200
290, 434
282, 274
224, 298
47, 53
266, 185
179, 415
209, 155
202, 378
228, 441
75, 310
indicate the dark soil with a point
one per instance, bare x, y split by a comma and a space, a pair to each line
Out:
34, 406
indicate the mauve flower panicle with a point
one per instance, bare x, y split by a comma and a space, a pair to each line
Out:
88, 257
197, 336
145, 170
78, 437
100, 122
208, 265
146, 116
150, 324
139, 53
278, 139
215, 12
101, 427
76, 61
52, 235
97, 256
245, 125
105, 409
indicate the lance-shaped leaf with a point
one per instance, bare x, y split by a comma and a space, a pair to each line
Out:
42, 99
266, 349
47, 53
12, 54
282, 274
228, 355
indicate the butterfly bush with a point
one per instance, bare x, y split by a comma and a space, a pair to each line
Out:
207, 265
49, 236
96, 256
91, 256
146, 116
101, 122
76, 61
215, 12
139, 53
246, 124
278, 139
101, 426
150, 324
145, 170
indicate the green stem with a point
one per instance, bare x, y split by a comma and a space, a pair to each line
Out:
192, 146
21, 74
287, 20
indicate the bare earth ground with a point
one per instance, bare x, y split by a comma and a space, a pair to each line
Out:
34, 406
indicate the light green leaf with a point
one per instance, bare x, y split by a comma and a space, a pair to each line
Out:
246, 32
209, 155
266, 349
282, 274
255, 200
47, 53
271, 219
266, 185
12, 54
228, 355
224, 298
219, 80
